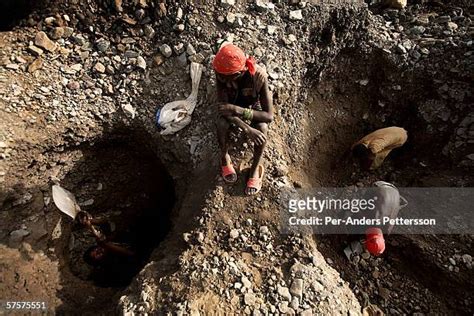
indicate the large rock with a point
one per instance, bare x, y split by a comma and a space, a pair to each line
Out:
35, 65
227, 3
396, 4
296, 15
166, 50
42, 40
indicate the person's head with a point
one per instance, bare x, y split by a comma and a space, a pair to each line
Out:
374, 241
94, 255
363, 155
231, 63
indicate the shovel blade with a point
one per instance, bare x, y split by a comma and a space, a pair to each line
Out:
65, 201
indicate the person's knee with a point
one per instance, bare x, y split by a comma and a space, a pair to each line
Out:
262, 127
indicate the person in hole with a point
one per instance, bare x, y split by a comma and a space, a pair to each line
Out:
113, 259
245, 101
373, 148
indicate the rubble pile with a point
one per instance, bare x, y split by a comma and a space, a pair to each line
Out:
74, 72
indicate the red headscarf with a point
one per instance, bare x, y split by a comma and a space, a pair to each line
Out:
230, 59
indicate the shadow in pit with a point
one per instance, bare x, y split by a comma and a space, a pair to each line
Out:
122, 181
12, 12
345, 111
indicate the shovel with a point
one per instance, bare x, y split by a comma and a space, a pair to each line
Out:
65, 201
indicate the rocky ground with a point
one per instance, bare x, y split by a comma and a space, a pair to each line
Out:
81, 83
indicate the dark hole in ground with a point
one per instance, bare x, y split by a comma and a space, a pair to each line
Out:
413, 269
13, 11
122, 181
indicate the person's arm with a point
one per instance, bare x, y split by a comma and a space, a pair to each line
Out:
98, 221
254, 134
264, 116
117, 249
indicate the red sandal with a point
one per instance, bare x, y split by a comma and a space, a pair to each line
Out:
227, 171
256, 183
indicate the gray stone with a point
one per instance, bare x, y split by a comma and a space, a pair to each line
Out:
35, 65
283, 307
295, 303
452, 26
443, 19
166, 50
102, 45
182, 60
401, 49
234, 233
416, 54
227, 3
141, 63
296, 288
246, 282
179, 14
417, 30
307, 312
57, 33
42, 40
249, 299
68, 31
131, 54
109, 69
467, 258
99, 67
271, 29
261, 5
16, 237
190, 50
284, 292
396, 4
35, 50
79, 39
178, 48
149, 31
73, 85
179, 27
296, 15
230, 18
264, 230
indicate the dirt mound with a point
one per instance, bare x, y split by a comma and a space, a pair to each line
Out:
79, 104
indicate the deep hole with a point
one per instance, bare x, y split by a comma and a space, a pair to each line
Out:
131, 189
13, 11
339, 104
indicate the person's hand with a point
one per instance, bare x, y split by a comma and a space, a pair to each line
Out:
227, 109
100, 237
256, 136
84, 218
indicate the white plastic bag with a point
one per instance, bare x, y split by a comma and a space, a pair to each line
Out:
175, 115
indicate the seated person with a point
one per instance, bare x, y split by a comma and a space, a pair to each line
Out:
244, 100
372, 149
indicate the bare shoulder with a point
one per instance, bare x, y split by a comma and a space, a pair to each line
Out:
260, 72
260, 77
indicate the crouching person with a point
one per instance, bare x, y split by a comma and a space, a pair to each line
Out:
245, 101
